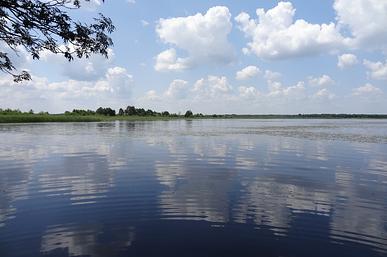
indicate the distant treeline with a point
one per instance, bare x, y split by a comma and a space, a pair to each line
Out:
130, 111
343, 116
18, 112
133, 111
305, 116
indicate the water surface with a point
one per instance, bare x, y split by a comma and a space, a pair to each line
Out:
194, 188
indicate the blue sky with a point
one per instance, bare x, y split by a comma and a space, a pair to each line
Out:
219, 57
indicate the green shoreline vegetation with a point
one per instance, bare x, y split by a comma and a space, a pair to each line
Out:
137, 114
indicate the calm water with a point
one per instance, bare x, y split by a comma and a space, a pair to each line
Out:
194, 188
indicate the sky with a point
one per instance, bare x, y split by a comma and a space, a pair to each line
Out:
243, 57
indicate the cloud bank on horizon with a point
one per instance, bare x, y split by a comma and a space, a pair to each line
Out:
281, 57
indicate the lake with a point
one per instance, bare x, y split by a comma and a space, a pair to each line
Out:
194, 188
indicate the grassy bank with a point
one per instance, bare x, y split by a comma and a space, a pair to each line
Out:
307, 116
27, 118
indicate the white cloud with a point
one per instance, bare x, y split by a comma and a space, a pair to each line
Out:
202, 37
116, 83
168, 60
367, 90
114, 87
211, 87
91, 5
378, 70
323, 94
274, 86
177, 89
144, 23
214, 94
277, 90
346, 60
131, 1
365, 19
120, 81
85, 69
247, 73
272, 75
248, 92
275, 35
322, 81
19, 58
151, 95
295, 92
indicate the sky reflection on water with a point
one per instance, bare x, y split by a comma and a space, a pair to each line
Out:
189, 188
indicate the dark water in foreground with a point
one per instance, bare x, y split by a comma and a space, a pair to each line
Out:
194, 188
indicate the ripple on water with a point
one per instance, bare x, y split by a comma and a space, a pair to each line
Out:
193, 188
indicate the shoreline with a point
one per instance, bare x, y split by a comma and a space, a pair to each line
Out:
37, 118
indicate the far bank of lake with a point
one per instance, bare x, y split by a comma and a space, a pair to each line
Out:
30, 118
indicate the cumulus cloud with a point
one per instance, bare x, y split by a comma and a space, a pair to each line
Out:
346, 60
177, 89
90, 6
295, 92
167, 61
275, 34
211, 87
202, 37
120, 81
322, 81
323, 94
248, 92
214, 94
114, 86
85, 69
367, 90
18, 56
276, 89
365, 19
272, 75
208, 94
115, 83
151, 95
247, 73
377, 70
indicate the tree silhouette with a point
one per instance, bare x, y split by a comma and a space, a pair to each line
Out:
106, 111
46, 25
121, 112
188, 114
130, 110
